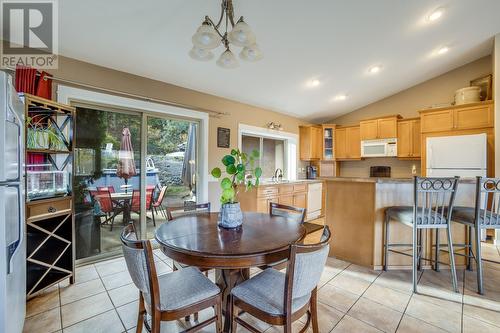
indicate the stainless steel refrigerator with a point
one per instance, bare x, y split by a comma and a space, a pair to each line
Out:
12, 231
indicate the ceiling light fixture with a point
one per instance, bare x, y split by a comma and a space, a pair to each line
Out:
313, 83
443, 50
210, 35
435, 15
340, 97
374, 69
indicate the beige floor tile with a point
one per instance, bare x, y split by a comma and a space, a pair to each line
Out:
75, 312
490, 300
472, 325
111, 266
116, 280
332, 268
439, 284
433, 314
124, 295
162, 268
442, 302
85, 273
391, 298
354, 285
489, 316
349, 324
328, 317
296, 327
340, 299
107, 322
47, 300
399, 280
361, 272
128, 314
46, 322
75, 292
376, 314
412, 325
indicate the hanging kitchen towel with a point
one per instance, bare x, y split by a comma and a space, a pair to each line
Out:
25, 79
44, 88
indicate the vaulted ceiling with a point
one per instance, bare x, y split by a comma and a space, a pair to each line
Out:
335, 42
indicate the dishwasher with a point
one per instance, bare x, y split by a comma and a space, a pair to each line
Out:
314, 200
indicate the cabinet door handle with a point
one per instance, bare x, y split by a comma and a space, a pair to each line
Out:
51, 209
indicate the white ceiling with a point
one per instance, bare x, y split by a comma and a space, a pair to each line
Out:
335, 41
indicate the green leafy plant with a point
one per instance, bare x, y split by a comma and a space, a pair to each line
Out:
240, 169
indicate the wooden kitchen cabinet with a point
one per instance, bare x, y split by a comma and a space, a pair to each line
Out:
300, 200
459, 117
311, 142
348, 143
409, 141
328, 137
383, 128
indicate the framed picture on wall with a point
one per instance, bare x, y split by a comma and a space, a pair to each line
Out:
223, 137
485, 83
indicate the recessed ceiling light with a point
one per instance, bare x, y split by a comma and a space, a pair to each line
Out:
374, 69
313, 83
435, 15
340, 97
442, 50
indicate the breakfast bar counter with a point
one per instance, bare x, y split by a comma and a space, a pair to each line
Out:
355, 214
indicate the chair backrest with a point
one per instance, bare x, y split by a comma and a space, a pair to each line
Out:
111, 189
295, 213
304, 269
139, 258
136, 199
487, 207
161, 196
433, 200
173, 212
104, 199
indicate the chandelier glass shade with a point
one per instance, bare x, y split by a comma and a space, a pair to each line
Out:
211, 35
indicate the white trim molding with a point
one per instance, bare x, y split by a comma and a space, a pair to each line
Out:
290, 139
66, 95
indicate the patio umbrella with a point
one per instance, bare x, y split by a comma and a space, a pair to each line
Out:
126, 164
188, 165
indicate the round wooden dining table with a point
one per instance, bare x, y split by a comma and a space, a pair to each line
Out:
197, 240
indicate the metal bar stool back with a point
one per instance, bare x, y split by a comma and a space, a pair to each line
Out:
484, 215
433, 200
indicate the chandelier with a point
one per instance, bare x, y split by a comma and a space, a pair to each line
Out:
210, 35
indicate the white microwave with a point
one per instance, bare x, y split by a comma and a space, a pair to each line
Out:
379, 148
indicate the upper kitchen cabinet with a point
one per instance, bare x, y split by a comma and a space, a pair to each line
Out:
382, 128
347, 143
328, 142
459, 117
311, 145
409, 138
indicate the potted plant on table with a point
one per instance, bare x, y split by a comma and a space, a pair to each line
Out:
240, 169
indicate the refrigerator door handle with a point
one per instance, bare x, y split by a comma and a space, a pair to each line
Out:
13, 247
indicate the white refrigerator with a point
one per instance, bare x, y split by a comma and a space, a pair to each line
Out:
12, 232
461, 155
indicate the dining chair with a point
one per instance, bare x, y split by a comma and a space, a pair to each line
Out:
158, 203
135, 206
433, 200
107, 206
111, 189
279, 298
484, 215
173, 212
169, 296
295, 214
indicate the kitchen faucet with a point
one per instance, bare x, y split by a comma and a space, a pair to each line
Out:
278, 175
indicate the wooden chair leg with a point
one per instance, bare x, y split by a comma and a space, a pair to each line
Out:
195, 316
232, 315
140, 316
218, 310
156, 324
314, 310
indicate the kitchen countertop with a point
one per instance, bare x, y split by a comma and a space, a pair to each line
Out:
296, 181
383, 180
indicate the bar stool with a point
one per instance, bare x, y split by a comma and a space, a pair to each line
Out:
484, 215
431, 199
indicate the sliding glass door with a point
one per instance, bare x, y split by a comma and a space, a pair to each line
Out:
129, 166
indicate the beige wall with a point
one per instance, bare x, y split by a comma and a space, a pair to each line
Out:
407, 103
438, 90
83, 72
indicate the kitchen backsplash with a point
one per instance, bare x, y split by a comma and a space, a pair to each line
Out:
399, 168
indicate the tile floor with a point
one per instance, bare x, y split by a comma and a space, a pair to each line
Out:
351, 299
